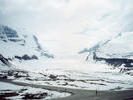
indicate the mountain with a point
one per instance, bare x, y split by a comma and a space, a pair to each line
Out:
20, 45
116, 51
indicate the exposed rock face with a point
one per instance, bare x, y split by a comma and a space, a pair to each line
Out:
6, 32
114, 61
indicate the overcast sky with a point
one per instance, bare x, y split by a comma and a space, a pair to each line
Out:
68, 25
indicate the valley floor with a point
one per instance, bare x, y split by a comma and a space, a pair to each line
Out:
79, 94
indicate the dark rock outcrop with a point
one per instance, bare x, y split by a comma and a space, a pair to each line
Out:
114, 61
3, 96
26, 57
5, 60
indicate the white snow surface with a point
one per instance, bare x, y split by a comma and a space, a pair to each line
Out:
12, 49
118, 47
25, 44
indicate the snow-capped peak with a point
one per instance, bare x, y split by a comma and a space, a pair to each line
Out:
17, 44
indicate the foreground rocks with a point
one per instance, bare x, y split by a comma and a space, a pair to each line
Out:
35, 96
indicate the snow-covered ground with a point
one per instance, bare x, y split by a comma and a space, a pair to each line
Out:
118, 47
19, 92
77, 73
21, 46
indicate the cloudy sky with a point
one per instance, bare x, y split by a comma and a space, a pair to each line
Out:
67, 26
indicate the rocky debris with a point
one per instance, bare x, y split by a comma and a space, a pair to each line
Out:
22, 94
13, 73
17, 74
53, 77
10, 94
35, 96
4, 77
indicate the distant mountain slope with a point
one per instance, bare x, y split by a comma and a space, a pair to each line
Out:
115, 51
17, 45
119, 47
